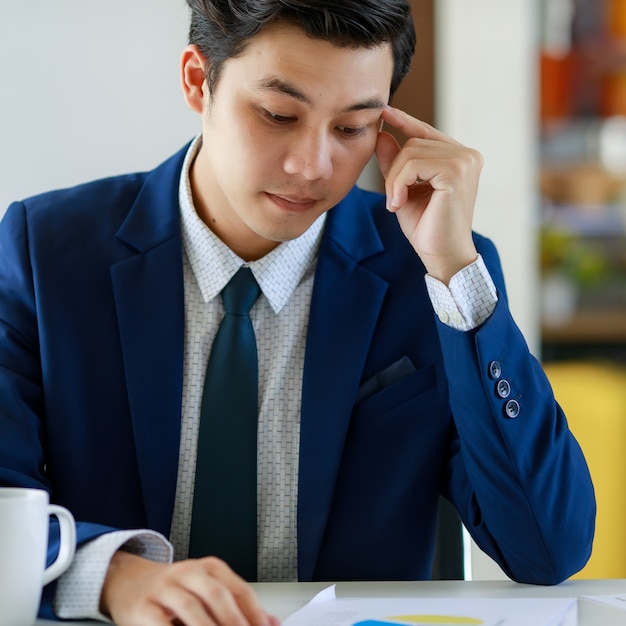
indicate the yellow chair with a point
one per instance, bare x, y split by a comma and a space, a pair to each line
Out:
593, 396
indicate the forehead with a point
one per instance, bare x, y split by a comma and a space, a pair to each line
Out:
316, 68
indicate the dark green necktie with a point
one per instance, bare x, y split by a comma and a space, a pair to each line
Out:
224, 517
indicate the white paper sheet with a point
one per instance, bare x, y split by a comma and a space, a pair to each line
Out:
617, 600
326, 609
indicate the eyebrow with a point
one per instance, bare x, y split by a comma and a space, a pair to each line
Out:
281, 86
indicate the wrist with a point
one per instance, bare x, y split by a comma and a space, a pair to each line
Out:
123, 566
443, 269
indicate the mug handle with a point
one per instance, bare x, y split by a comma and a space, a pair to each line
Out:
67, 544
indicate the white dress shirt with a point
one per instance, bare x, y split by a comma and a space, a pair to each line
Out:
280, 318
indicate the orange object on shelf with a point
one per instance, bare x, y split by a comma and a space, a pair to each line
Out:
614, 82
616, 17
614, 94
555, 86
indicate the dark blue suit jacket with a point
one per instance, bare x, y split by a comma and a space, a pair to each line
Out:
396, 407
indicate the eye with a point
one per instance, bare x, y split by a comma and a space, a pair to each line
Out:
349, 131
278, 119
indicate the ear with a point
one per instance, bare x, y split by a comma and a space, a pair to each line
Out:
192, 76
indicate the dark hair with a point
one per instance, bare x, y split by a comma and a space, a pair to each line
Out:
221, 28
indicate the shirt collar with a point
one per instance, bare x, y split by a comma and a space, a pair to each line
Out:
213, 263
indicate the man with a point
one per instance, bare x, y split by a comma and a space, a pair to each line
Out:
371, 404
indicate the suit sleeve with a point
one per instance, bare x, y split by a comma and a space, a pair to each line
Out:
22, 399
516, 474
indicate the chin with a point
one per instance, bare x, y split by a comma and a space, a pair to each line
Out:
282, 234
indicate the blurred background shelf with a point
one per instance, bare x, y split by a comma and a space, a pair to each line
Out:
588, 328
582, 179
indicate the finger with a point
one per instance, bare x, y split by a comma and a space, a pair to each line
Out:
146, 613
387, 148
153, 615
387, 151
183, 605
401, 174
248, 602
412, 127
244, 596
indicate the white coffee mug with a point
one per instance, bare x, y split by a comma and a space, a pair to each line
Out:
24, 517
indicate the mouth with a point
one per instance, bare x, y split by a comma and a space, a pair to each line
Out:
294, 204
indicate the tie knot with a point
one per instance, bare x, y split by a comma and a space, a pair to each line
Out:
241, 292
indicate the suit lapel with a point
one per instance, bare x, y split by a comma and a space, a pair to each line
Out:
344, 309
148, 289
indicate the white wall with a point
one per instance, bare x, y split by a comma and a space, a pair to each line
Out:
88, 88
486, 94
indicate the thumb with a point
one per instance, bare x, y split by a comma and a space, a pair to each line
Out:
387, 148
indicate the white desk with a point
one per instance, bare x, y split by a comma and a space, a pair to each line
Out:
282, 599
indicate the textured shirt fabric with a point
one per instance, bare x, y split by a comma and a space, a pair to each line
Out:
468, 300
280, 319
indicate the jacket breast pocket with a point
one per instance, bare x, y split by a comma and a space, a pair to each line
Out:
392, 396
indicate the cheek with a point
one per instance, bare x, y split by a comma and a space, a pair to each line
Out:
259, 149
355, 157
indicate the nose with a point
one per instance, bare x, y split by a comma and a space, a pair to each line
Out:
310, 155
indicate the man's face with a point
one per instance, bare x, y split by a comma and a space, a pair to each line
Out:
286, 133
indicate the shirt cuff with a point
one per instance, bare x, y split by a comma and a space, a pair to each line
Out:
78, 590
469, 299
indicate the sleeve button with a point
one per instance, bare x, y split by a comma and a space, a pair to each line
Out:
512, 409
495, 370
503, 389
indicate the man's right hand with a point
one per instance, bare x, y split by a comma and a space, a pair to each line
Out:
196, 592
